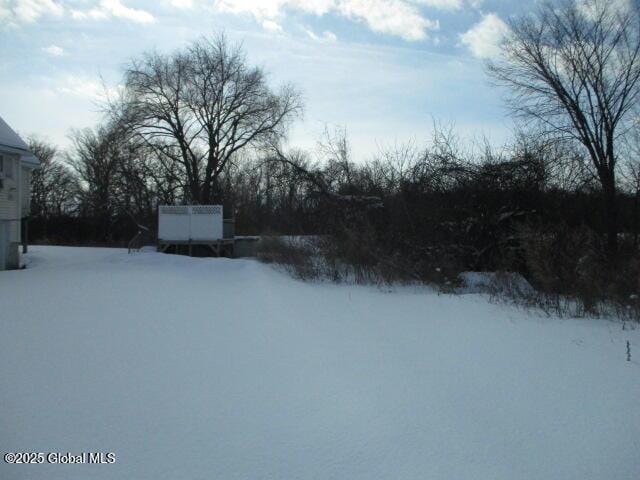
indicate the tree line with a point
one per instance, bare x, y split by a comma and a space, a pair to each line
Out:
559, 203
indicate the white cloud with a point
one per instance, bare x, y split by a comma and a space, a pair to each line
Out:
54, 50
80, 87
329, 36
259, 8
271, 26
326, 36
401, 18
83, 87
483, 39
93, 14
182, 3
28, 11
114, 9
4, 11
393, 17
442, 4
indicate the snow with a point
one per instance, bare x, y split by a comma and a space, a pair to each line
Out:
216, 368
502, 282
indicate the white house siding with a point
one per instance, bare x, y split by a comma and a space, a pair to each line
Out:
9, 207
14, 196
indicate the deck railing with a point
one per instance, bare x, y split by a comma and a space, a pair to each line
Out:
135, 244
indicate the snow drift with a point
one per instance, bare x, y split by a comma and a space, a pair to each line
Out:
215, 368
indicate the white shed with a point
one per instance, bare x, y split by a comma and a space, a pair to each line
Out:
192, 225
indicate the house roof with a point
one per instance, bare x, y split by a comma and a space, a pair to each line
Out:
9, 138
30, 161
11, 141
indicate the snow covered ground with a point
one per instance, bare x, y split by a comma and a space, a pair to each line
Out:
227, 369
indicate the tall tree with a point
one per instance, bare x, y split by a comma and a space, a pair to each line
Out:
53, 186
575, 67
201, 106
95, 157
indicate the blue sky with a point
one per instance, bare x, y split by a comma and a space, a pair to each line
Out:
384, 69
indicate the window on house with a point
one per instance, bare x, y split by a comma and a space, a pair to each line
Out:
6, 167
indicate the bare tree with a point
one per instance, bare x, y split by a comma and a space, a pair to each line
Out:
201, 106
95, 157
53, 186
575, 68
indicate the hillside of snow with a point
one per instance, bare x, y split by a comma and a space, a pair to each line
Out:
227, 369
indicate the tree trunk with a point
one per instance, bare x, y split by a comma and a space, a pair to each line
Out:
195, 192
636, 206
611, 214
